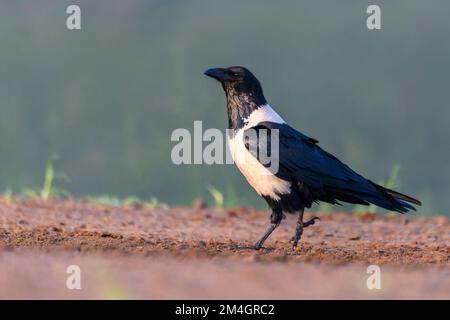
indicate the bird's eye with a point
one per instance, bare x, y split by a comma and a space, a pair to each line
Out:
234, 74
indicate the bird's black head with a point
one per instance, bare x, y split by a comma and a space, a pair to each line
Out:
244, 92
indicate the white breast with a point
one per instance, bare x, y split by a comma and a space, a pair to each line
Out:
260, 178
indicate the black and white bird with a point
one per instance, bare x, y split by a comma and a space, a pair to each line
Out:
306, 173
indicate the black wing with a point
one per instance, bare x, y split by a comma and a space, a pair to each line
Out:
300, 159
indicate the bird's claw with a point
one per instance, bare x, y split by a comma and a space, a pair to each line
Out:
257, 246
298, 234
294, 241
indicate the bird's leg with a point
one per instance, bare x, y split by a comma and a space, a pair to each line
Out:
275, 220
300, 226
299, 229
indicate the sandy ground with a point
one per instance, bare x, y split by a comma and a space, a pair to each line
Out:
190, 253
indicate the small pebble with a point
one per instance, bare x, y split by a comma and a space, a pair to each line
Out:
201, 243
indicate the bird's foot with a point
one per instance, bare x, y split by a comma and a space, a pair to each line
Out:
295, 239
298, 233
268, 232
310, 222
258, 245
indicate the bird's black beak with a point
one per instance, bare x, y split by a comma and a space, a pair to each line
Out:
219, 74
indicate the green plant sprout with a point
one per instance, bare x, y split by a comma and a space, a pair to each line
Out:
48, 189
227, 199
217, 196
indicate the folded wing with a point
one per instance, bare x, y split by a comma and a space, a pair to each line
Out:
319, 173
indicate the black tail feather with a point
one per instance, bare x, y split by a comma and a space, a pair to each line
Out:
400, 196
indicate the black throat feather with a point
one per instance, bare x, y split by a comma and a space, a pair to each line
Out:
241, 103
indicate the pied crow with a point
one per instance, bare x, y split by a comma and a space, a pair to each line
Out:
305, 174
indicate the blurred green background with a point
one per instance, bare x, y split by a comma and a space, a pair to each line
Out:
107, 98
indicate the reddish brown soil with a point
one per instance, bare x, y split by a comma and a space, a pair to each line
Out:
211, 247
